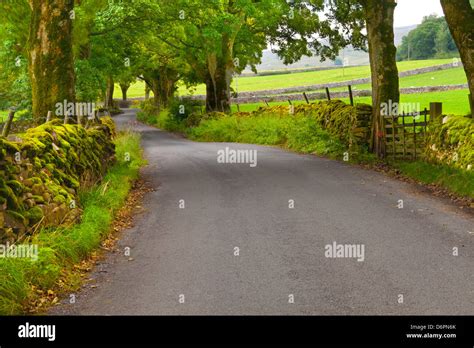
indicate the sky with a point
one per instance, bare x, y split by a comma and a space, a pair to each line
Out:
409, 12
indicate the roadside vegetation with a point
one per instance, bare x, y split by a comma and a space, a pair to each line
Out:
24, 282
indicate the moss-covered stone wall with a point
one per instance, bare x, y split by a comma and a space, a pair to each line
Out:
451, 141
42, 171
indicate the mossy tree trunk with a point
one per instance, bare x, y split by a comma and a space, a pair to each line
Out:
459, 15
109, 93
167, 81
218, 91
124, 87
220, 72
383, 66
162, 82
147, 92
51, 61
155, 88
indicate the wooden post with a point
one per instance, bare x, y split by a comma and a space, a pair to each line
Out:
305, 97
414, 137
436, 110
8, 124
289, 102
393, 138
66, 118
351, 98
238, 107
403, 134
48, 117
328, 95
425, 113
266, 102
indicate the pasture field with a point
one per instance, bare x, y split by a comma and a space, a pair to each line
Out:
454, 102
256, 83
455, 76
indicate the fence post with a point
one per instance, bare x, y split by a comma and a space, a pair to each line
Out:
305, 97
414, 137
425, 120
394, 146
328, 95
436, 110
8, 124
351, 98
48, 117
404, 142
266, 102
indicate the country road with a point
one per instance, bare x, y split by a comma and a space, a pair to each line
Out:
238, 248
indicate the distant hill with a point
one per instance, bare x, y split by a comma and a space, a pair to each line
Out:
270, 60
401, 32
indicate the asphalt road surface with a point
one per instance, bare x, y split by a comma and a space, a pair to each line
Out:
238, 247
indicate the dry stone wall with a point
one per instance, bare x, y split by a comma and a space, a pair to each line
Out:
42, 170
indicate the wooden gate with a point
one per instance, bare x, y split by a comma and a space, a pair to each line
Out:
405, 134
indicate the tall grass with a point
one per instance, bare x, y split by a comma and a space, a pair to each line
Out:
61, 248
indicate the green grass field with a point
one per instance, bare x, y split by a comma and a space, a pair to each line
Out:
454, 102
454, 76
255, 83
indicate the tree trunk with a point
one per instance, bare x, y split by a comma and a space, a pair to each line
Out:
459, 15
147, 92
218, 96
124, 87
384, 72
109, 95
219, 79
51, 61
167, 88
155, 88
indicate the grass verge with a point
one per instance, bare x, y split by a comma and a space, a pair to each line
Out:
457, 181
23, 279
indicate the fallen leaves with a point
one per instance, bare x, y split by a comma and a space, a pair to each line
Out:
75, 277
